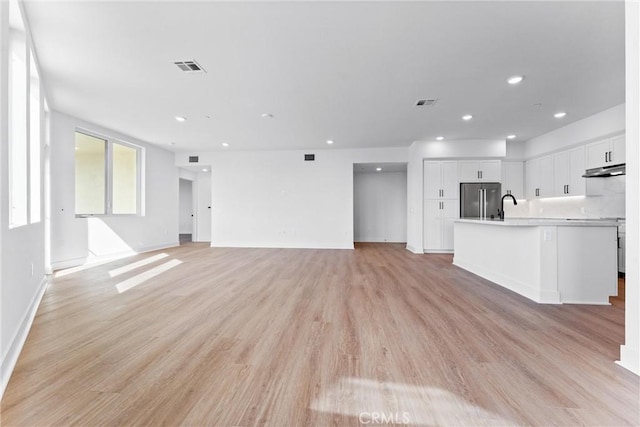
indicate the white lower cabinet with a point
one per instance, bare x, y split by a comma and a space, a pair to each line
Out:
438, 224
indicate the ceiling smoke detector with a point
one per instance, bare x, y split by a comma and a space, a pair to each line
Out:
426, 102
190, 66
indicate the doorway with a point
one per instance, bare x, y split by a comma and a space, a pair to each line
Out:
194, 218
186, 211
380, 202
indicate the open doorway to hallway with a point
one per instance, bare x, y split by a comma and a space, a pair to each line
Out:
186, 211
380, 202
194, 205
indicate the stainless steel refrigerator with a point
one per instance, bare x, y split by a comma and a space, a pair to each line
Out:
480, 200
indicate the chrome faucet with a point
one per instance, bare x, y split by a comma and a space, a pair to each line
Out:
501, 211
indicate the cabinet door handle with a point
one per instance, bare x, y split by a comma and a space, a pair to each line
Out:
480, 174
610, 156
567, 188
606, 154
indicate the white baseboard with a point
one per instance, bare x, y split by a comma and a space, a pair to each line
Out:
629, 359
76, 262
157, 247
10, 358
73, 262
412, 249
275, 245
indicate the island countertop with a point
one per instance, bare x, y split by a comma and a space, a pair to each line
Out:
538, 222
552, 261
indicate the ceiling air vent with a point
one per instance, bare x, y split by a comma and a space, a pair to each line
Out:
190, 66
426, 102
309, 157
193, 159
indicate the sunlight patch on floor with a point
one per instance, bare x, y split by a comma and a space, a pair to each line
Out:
149, 274
129, 267
91, 263
374, 402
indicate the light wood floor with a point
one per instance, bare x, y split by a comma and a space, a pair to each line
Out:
313, 337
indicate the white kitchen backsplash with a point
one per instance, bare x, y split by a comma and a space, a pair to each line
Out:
605, 199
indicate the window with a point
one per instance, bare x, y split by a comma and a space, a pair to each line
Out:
18, 176
107, 176
25, 126
35, 128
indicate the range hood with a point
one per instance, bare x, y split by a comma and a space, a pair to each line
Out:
605, 171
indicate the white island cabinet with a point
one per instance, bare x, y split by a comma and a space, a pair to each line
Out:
548, 261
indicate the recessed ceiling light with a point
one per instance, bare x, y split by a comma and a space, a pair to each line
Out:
329, 141
378, 169
181, 119
267, 115
514, 80
467, 117
205, 170
559, 115
225, 144
511, 136
440, 138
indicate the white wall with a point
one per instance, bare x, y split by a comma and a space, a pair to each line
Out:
276, 199
22, 269
380, 206
74, 240
186, 207
630, 351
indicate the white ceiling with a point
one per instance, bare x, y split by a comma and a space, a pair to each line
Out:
347, 71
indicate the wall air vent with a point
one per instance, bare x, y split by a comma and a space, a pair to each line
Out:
309, 157
193, 159
426, 102
190, 66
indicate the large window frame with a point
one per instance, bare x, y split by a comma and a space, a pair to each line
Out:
26, 126
108, 175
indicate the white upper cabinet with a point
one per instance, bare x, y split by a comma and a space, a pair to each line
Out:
568, 167
513, 179
441, 180
607, 152
479, 171
539, 177
618, 148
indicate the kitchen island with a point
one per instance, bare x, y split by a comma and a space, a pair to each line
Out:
548, 261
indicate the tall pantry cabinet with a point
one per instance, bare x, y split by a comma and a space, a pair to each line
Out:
441, 204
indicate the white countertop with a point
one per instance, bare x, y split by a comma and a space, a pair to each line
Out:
542, 222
